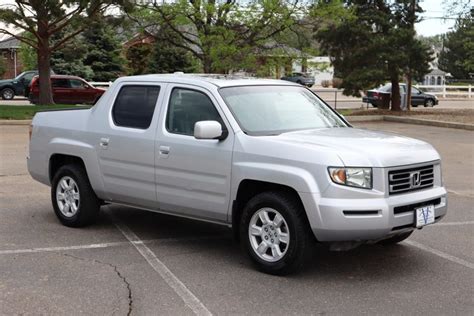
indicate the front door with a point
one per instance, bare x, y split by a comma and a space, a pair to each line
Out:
82, 92
125, 144
192, 175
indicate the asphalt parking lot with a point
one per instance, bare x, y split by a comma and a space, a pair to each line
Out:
134, 262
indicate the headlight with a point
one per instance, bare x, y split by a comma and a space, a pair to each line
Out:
353, 177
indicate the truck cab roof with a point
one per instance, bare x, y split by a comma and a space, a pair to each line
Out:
217, 80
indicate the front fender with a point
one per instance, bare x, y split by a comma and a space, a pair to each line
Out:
297, 178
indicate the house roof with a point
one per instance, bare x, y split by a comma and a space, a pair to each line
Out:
10, 42
437, 72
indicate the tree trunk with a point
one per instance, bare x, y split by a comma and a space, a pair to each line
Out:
395, 93
44, 64
207, 64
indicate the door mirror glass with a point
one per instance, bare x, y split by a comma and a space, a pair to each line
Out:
208, 130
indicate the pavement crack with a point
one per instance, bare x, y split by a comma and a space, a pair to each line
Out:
116, 270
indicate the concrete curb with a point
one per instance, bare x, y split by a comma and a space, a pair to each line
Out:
409, 120
15, 122
364, 118
469, 127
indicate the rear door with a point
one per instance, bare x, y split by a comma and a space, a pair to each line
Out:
61, 90
125, 144
192, 175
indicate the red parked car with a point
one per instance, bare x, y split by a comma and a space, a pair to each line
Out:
68, 90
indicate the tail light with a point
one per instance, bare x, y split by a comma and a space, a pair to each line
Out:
33, 82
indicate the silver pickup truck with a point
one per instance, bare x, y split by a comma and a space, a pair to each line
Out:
266, 157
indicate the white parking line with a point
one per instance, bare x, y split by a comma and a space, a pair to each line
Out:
453, 223
441, 254
52, 249
186, 295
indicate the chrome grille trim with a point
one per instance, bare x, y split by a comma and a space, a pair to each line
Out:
410, 179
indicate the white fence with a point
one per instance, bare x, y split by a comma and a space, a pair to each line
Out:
102, 84
449, 91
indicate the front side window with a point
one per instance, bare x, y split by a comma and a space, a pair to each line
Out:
272, 110
186, 107
135, 105
77, 84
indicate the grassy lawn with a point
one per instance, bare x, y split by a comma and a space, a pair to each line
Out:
20, 112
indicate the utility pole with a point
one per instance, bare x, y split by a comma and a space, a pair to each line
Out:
411, 20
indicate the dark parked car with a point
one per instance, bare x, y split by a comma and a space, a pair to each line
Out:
68, 90
418, 97
9, 88
301, 78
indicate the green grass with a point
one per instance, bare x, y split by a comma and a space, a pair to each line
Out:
345, 112
20, 112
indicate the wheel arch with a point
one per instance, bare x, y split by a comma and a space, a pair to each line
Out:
247, 189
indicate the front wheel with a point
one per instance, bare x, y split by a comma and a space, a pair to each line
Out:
429, 103
73, 198
7, 94
275, 232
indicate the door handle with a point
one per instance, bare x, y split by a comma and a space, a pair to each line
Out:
104, 143
164, 151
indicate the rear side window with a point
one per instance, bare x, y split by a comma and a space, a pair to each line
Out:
135, 105
60, 83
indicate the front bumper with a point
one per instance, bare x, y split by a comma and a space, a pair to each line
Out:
367, 219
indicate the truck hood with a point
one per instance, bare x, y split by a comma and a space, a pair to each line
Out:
358, 147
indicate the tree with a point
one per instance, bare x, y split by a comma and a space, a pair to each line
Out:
221, 34
103, 54
68, 60
457, 56
371, 42
43, 19
166, 58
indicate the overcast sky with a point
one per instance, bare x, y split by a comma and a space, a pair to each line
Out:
432, 23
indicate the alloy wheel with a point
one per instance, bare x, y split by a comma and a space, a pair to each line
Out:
269, 234
67, 196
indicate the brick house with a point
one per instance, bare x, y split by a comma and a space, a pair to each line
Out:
9, 53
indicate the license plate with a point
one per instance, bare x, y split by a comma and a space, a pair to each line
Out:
424, 215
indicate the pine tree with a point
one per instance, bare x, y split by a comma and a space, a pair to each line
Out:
103, 51
372, 42
167, 58
457, 56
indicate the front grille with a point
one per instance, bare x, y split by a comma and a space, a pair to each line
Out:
412, 207
411, 179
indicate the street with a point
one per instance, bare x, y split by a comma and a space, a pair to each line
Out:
136, 262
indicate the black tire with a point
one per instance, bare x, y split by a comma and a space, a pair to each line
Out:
88, 203
298, 228
298, 81
395, 239
310, 85
374, 105
7, 94
429, 103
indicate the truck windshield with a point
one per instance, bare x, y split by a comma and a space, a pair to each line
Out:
272, 110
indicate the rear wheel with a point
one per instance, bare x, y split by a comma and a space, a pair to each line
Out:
74, 201
7, 94
395, 239
275, 232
